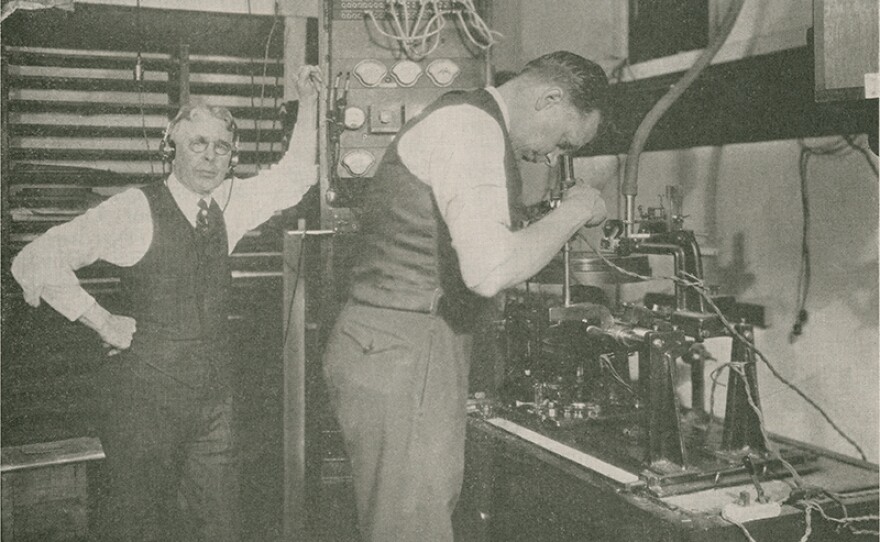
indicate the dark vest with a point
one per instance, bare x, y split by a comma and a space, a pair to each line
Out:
179, 294
406, 260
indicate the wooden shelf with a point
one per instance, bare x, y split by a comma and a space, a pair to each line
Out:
761, 98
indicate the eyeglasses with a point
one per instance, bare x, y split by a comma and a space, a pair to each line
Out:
200, 145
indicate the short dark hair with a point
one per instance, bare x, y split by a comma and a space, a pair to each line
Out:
584, 81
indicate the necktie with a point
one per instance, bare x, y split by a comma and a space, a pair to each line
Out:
202, 224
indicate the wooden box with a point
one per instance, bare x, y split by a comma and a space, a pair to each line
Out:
45, 490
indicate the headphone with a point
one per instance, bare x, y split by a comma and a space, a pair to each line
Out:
167, 146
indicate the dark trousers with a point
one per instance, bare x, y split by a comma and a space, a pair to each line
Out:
170, 457
398, 381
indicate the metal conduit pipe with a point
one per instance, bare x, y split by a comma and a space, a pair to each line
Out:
631, 170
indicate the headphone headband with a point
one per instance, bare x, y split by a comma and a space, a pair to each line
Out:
167, 147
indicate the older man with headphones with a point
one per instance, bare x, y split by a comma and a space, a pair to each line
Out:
167, 396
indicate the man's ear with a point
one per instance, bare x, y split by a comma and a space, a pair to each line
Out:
549, 96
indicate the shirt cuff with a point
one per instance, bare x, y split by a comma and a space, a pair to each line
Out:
95, 316
72, 304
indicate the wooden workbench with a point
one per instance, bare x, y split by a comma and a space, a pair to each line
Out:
516, 489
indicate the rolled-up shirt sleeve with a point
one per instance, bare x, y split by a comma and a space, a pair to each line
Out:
281, 186
255, 200
118, 231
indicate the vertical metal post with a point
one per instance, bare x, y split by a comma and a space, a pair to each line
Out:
566, 172
4, 151
324, 165
294, 401
698, 385
566, 285
742, 426
664, 438
178, 78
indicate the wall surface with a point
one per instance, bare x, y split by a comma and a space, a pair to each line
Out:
298, 8
598, 30
532, 28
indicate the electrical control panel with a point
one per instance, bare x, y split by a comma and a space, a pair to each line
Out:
386, 61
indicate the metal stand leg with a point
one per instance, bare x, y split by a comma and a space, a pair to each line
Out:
294, 402
665, 443
741, 423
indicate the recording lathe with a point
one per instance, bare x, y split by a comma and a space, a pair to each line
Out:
601, 378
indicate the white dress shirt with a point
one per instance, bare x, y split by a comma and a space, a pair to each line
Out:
120, 231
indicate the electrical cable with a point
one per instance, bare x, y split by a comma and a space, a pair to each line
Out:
144, 127
805, 274
263, 85
480, 26
606, 363
838, 148
739, 524
850, 140
139, 79
846, 521
698, 285
738, 367
413, 37
703, 291
253, 84
274, 86
714, 376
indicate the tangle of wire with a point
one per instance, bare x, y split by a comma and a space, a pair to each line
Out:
414, 38
697, 284
487, 36
609, 366
846, 145
739, 368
